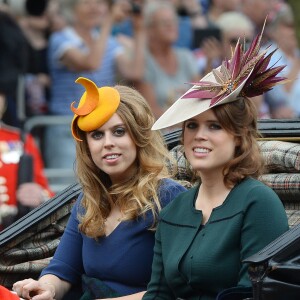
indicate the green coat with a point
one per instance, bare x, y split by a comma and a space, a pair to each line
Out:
195, 262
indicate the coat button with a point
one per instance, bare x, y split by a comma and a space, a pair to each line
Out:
4, 198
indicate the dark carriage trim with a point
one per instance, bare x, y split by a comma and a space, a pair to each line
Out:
39, 213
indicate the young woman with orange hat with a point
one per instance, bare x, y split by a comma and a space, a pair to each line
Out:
121, 165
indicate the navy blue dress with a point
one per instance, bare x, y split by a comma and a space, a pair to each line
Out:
121, 260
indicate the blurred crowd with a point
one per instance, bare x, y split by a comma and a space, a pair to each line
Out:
155, 46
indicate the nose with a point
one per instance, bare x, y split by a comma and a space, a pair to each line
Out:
108, 140
201, 133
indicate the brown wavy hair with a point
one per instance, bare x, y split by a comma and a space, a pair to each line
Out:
240, 119
138, 194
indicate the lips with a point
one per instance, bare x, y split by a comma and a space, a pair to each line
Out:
201, 150
111, 156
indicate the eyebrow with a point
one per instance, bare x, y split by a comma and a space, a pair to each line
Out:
208, 121
112, 127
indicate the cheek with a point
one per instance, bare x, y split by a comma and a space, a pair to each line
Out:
94, 147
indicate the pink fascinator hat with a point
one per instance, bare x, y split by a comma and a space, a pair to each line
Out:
245, 75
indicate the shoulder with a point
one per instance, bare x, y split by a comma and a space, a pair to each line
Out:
253, 188
184, 52
180, 204
64, 36
77, 207
252, 194
170, 185
7, 129
168, 190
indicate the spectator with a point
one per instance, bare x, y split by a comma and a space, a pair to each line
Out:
206, 233
19, 56
16, 198
217, 7
121, 167
230, 35
282, 32
213, 51
14, 60
167, 66
35, 28
85, 48
257, 11
189, 15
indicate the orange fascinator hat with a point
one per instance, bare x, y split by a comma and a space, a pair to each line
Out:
96, 107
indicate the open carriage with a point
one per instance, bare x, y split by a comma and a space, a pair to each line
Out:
27, 246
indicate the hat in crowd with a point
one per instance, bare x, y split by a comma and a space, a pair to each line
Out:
245, 75
96, 107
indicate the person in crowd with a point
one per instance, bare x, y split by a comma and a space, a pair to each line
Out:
14, 63
167, 67
37, 29
121, 165
282, 32
17, 195
206, 233
259, 14
22, 61
215, 8
85, 47
190, 17
189, 14
212, 52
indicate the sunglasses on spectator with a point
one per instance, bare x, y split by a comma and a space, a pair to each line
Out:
233, 41
247, 41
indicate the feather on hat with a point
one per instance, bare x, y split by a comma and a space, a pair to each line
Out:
245, 75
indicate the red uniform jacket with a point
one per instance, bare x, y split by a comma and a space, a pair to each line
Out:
11, 148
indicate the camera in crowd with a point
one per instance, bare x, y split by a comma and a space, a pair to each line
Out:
26, 7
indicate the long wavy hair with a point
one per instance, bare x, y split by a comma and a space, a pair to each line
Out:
138, 194
240, 119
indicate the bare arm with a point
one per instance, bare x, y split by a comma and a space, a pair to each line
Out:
131, 64
78, 61
48, 287
147, 90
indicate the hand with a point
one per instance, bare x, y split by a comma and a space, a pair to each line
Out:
192, 6
35, 290
120, 10
137, 16
30, 194
212, 48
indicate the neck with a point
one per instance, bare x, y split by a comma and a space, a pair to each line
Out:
212, 184
158, 49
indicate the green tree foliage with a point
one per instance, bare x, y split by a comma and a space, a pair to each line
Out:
295, 4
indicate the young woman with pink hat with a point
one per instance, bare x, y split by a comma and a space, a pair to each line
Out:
204, 235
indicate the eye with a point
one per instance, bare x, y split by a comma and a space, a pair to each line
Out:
215, 126
191, 125
96, 135
119, 131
